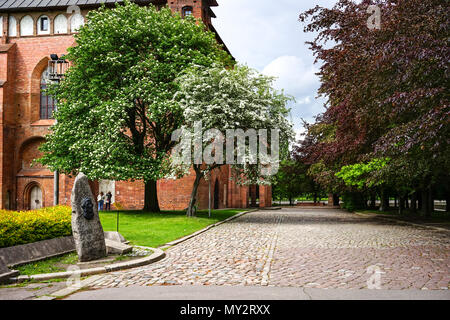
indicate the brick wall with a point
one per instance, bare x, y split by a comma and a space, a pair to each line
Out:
174, 194
265, 196
7, 128
178, 5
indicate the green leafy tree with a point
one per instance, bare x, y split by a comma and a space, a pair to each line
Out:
293, 180
387, 93
363, 179
116, 111
230, 99
358, 174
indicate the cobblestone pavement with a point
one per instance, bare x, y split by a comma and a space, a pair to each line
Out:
299, 247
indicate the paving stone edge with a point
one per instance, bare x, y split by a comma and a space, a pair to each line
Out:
157, 255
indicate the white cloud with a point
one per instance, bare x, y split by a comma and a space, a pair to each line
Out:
293, 75
266, 35
299, 80
306, 100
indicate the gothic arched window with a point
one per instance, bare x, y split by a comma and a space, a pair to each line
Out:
43, 25
186, 11
47, 102
76, 21
26, 26
12, 29
60, 24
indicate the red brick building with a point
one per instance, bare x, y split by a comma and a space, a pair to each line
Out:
31, 30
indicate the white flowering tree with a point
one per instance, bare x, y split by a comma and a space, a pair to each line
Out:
116, 111
225, 111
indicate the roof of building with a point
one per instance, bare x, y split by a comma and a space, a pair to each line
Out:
40, 4
9, 5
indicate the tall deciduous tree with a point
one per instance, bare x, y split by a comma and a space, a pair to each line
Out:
231, 99
116, 111
386, 90
293, 180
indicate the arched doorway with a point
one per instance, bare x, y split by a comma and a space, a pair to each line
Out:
216, 194
35, 198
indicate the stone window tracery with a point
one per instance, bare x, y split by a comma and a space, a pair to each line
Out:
48, 103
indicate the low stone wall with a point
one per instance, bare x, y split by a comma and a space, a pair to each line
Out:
5, 273
35, 251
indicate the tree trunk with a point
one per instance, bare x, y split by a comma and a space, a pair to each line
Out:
447, 202
419, 201
413, 202
335, 199
384, 203
426, 204
290, 201
315, 197
366, 202
423, 201
401, 204
151, 197
191, 210
430, 202
372, 201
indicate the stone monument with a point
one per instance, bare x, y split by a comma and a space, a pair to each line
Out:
86, 227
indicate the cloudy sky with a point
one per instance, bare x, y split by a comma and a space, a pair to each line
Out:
266, 35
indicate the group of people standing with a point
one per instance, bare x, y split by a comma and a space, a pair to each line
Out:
103, 199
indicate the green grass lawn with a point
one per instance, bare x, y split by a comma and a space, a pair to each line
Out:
48, 265
310, 199
155, 229
61, 263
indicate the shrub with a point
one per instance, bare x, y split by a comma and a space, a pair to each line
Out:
21, 227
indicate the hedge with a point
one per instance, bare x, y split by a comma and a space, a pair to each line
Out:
21, 227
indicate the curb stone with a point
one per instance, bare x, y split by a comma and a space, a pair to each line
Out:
157, 255
69, 290
374, 215
175, 242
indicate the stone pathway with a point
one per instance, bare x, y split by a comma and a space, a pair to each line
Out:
299, 247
